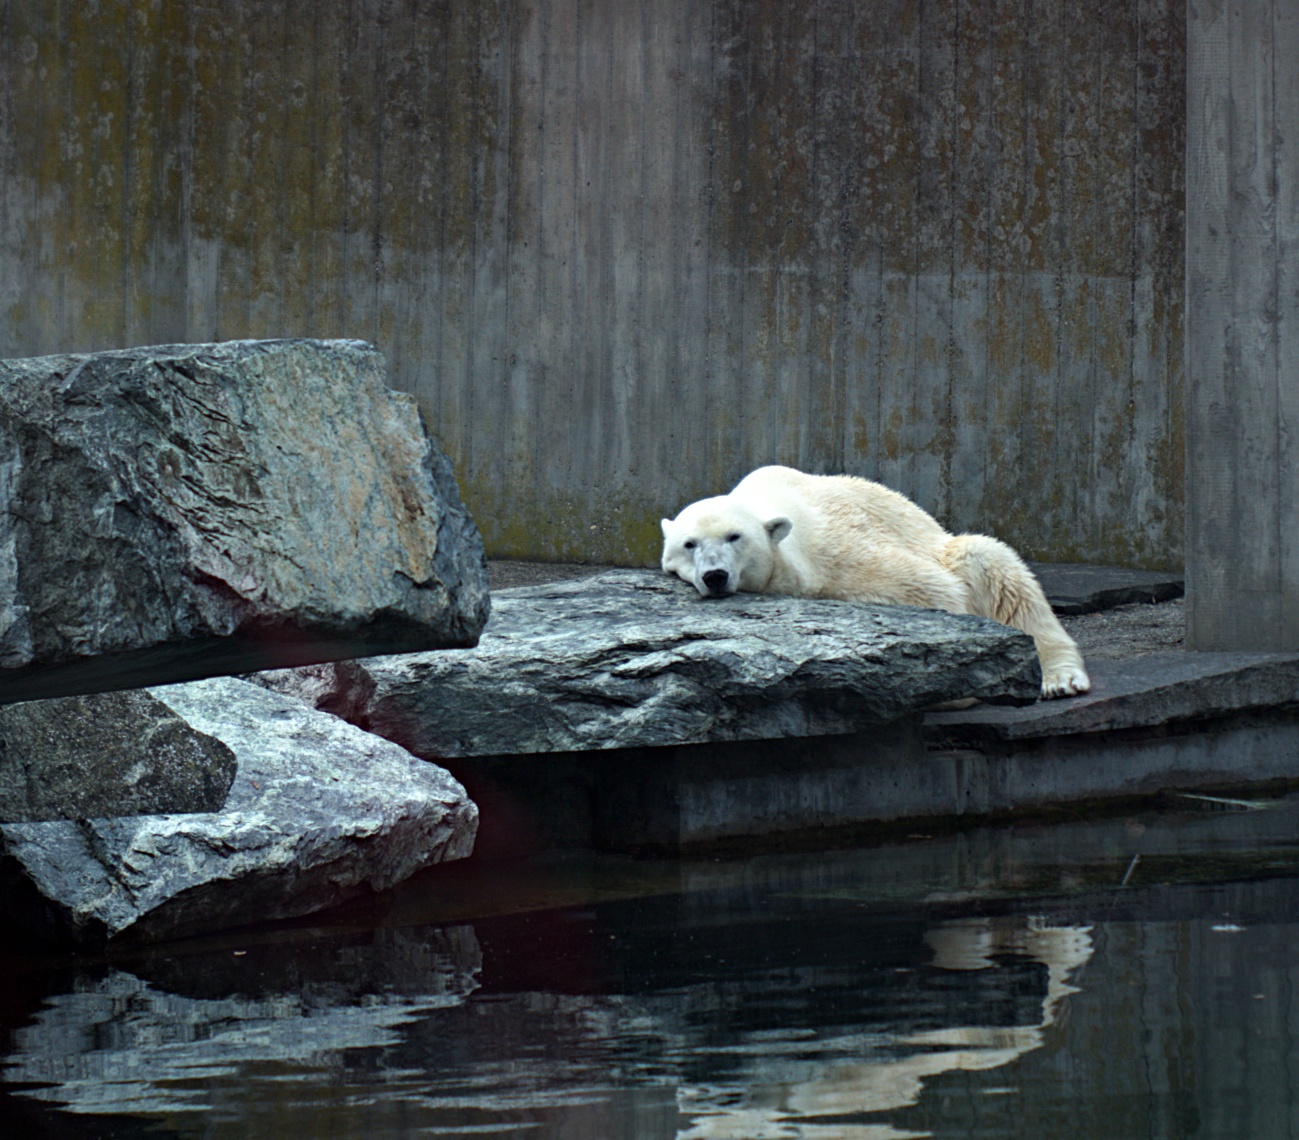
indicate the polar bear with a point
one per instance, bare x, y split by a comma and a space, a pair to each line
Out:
781, 531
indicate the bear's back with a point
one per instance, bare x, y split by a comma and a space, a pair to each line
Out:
841, 508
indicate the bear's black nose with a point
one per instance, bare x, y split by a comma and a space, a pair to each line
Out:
716, 581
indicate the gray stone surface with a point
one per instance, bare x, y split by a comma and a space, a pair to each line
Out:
1152, 726
1083, 588
318, 812
510, 573
1147, 692
182, 511
633, 658
106, 754
1228, 756
1135, 630
1072, 587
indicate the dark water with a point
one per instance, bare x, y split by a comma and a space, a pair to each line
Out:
1130, 978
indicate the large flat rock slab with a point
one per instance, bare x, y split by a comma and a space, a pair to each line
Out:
1071, 587
318, 811
174, 512
634, 659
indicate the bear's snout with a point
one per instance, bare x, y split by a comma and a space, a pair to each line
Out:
717, 581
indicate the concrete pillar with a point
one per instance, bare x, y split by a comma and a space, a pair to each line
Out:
1242, 324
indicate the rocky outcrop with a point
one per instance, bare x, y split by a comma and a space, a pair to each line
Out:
318, 811
87, 757
635, 659
176, 512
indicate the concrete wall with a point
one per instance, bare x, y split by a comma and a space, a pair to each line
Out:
624, 252
1242, 349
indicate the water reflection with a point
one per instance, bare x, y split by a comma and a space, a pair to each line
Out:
779, 1094
118, 1044
868, 995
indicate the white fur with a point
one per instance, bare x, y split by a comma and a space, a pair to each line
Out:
836, 536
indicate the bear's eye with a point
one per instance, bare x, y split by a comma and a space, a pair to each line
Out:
690, 545
732, 538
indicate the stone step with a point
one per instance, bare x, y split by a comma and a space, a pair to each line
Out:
1159, 691
1084, 588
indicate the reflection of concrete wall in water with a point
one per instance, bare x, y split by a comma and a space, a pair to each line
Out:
625, 252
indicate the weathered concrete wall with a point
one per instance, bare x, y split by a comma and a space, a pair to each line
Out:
624, 252
1242, 349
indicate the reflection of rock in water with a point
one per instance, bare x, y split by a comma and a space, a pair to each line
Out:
832, 1079
118, 1044
341, 969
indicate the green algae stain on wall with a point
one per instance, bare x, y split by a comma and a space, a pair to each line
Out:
1003, 214
623, 254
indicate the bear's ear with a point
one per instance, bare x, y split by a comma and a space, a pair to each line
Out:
778, 529
665, 523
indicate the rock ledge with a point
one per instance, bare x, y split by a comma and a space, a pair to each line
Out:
633, 659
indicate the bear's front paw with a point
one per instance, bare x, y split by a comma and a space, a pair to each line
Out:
1069, 681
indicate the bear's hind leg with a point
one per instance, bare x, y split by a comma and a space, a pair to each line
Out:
1003, 588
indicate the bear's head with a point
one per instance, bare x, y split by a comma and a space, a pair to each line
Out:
720, 546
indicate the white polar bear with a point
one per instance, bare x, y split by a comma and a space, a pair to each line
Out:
836, 536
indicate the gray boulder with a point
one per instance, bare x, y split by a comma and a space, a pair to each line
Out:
175, 512
635, 659
318, 811
105, 754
